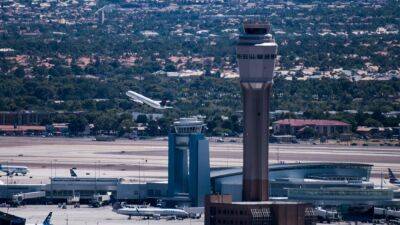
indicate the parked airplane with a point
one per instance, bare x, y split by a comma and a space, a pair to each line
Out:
47, 221
152, 212
14, 170
393, 179
136, 97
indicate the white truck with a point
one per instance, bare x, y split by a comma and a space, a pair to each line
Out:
18, 199
99, 200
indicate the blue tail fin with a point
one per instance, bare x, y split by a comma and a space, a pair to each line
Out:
392, 177
72, 172
47, 221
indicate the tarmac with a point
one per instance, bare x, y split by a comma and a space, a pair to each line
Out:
145, 160
35, 214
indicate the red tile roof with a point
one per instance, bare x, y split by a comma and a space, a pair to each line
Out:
304, 122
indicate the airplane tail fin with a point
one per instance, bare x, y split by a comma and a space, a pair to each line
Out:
392, 177
118, 205
164, 102
47, 221
72, 172
10, 173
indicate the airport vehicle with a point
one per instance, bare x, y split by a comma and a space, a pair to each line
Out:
17, 199
152, 212
99, 200
393, 179
387, 213
326, 215
46, 221
136, 97
72, 200
14, 170
106, 138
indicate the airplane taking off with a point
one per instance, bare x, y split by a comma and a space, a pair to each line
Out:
47, 221
14, 170
136, 97
154, 212
393, 179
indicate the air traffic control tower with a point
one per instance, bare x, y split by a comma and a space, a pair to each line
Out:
188, 162
256, 53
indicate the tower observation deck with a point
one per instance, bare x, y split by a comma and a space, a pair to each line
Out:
188, 125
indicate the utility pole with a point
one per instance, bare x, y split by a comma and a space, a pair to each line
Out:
277, 158
139, 182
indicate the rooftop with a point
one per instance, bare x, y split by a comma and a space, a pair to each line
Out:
231, 171
256, 28
306, 122
10, 128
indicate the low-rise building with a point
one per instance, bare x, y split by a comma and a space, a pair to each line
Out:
328, 128
22, 130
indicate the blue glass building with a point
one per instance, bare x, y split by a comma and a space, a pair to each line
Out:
188, 162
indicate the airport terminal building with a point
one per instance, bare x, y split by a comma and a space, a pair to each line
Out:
309, 182
284, 177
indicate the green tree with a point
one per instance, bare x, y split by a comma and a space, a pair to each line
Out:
141, 119
77, 124
19, 72
125, 126
307, 133
372, 123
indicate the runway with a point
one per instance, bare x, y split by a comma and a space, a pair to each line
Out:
128, 159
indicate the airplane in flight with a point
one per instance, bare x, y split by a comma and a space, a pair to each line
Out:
154, 213
393, 179
14, 170
46, 221
136, 97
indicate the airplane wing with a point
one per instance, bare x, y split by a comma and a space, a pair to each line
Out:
137, 101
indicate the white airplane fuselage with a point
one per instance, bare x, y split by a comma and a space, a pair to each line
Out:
136, 97
10, 170
152, 212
